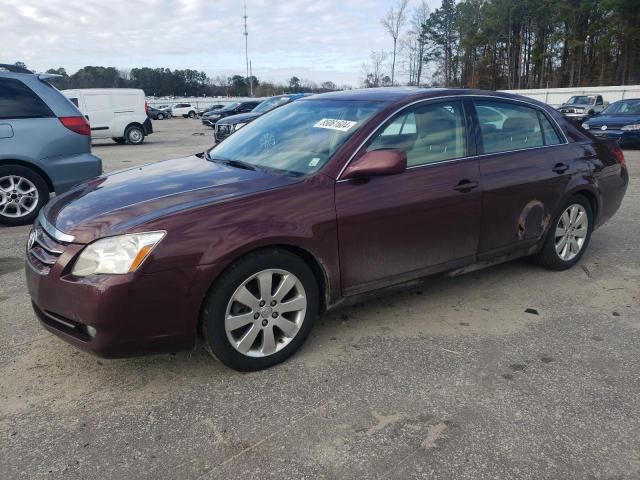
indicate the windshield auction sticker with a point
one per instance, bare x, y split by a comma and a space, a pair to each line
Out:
333, 124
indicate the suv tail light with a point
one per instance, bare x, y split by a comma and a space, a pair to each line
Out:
146, 107
617, 151
76, 124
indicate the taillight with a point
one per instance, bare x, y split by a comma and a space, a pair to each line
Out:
146, 108
617, 151
76, 124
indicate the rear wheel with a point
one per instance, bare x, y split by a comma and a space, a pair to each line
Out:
23, 193
568, 236
160, 116
134, 135
261, 310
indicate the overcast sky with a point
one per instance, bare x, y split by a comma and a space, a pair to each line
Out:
316, 40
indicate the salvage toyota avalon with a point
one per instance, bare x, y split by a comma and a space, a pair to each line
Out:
320, 200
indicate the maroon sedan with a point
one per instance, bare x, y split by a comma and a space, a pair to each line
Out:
326, 198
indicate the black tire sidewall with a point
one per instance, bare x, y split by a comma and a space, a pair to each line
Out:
548, 256
39, 183
160, 117
216, 303
128, 132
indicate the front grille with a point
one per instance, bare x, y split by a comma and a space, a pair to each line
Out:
223, 131
43, 250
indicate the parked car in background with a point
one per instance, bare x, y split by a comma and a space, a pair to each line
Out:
185, 110
620, 121
227, 125
250, 241
166, 108
157, 114
45, 144
210, 108
580, 107
116, 113
209, 119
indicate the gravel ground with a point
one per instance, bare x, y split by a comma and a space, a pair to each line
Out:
451, 379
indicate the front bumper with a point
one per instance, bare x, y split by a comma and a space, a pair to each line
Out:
623, 137
114, 315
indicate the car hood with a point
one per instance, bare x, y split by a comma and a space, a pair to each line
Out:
613, 121
119, 202
239, 118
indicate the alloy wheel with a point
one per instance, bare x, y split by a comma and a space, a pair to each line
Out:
265, 312
18, 196
571, 232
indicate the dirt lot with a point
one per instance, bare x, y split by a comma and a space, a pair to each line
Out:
452, 379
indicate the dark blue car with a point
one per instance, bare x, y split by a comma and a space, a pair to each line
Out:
620, 120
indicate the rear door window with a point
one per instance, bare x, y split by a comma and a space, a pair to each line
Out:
507, 126
19, 101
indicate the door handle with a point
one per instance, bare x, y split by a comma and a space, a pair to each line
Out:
465, 186
560, 168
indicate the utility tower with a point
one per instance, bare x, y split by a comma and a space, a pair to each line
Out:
246, 49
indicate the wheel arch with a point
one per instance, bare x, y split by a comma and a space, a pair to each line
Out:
31, 166
319, 272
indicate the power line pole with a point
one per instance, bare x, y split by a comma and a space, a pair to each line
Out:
246, 49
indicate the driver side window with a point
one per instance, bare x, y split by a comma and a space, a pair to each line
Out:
429, 133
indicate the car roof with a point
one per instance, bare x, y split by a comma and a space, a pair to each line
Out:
400, 94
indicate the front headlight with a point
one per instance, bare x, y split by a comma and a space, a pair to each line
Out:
116, 255
632, 127
238, 126
585, 126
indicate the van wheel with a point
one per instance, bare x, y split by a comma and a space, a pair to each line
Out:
568, 236
119, 140
22, 194
192, 114
134, 135
260, 310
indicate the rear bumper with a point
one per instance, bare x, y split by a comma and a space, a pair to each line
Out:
67, 171
148, 127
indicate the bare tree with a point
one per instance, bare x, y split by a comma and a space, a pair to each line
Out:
418, 21
373, 71
393, 22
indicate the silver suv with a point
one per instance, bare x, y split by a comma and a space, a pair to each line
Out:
45, 144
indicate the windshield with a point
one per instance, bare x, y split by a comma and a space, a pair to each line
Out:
623, 107
298, 138
580, 100
270, 104
231, 106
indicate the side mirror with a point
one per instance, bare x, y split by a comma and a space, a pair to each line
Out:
377, 163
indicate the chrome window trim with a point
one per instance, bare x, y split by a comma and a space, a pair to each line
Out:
461, 97
53, 231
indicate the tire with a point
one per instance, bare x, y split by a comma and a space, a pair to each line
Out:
192, 114
16, 206
555, 255
256, 323
120, 140
169, 115
160, 117
134, 135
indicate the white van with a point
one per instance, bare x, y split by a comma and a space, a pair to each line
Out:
117, 113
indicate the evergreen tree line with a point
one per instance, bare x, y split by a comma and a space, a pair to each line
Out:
517, 44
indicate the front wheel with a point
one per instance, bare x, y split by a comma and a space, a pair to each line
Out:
568, 236
192, 114
261, 310
22, 194
134, 135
